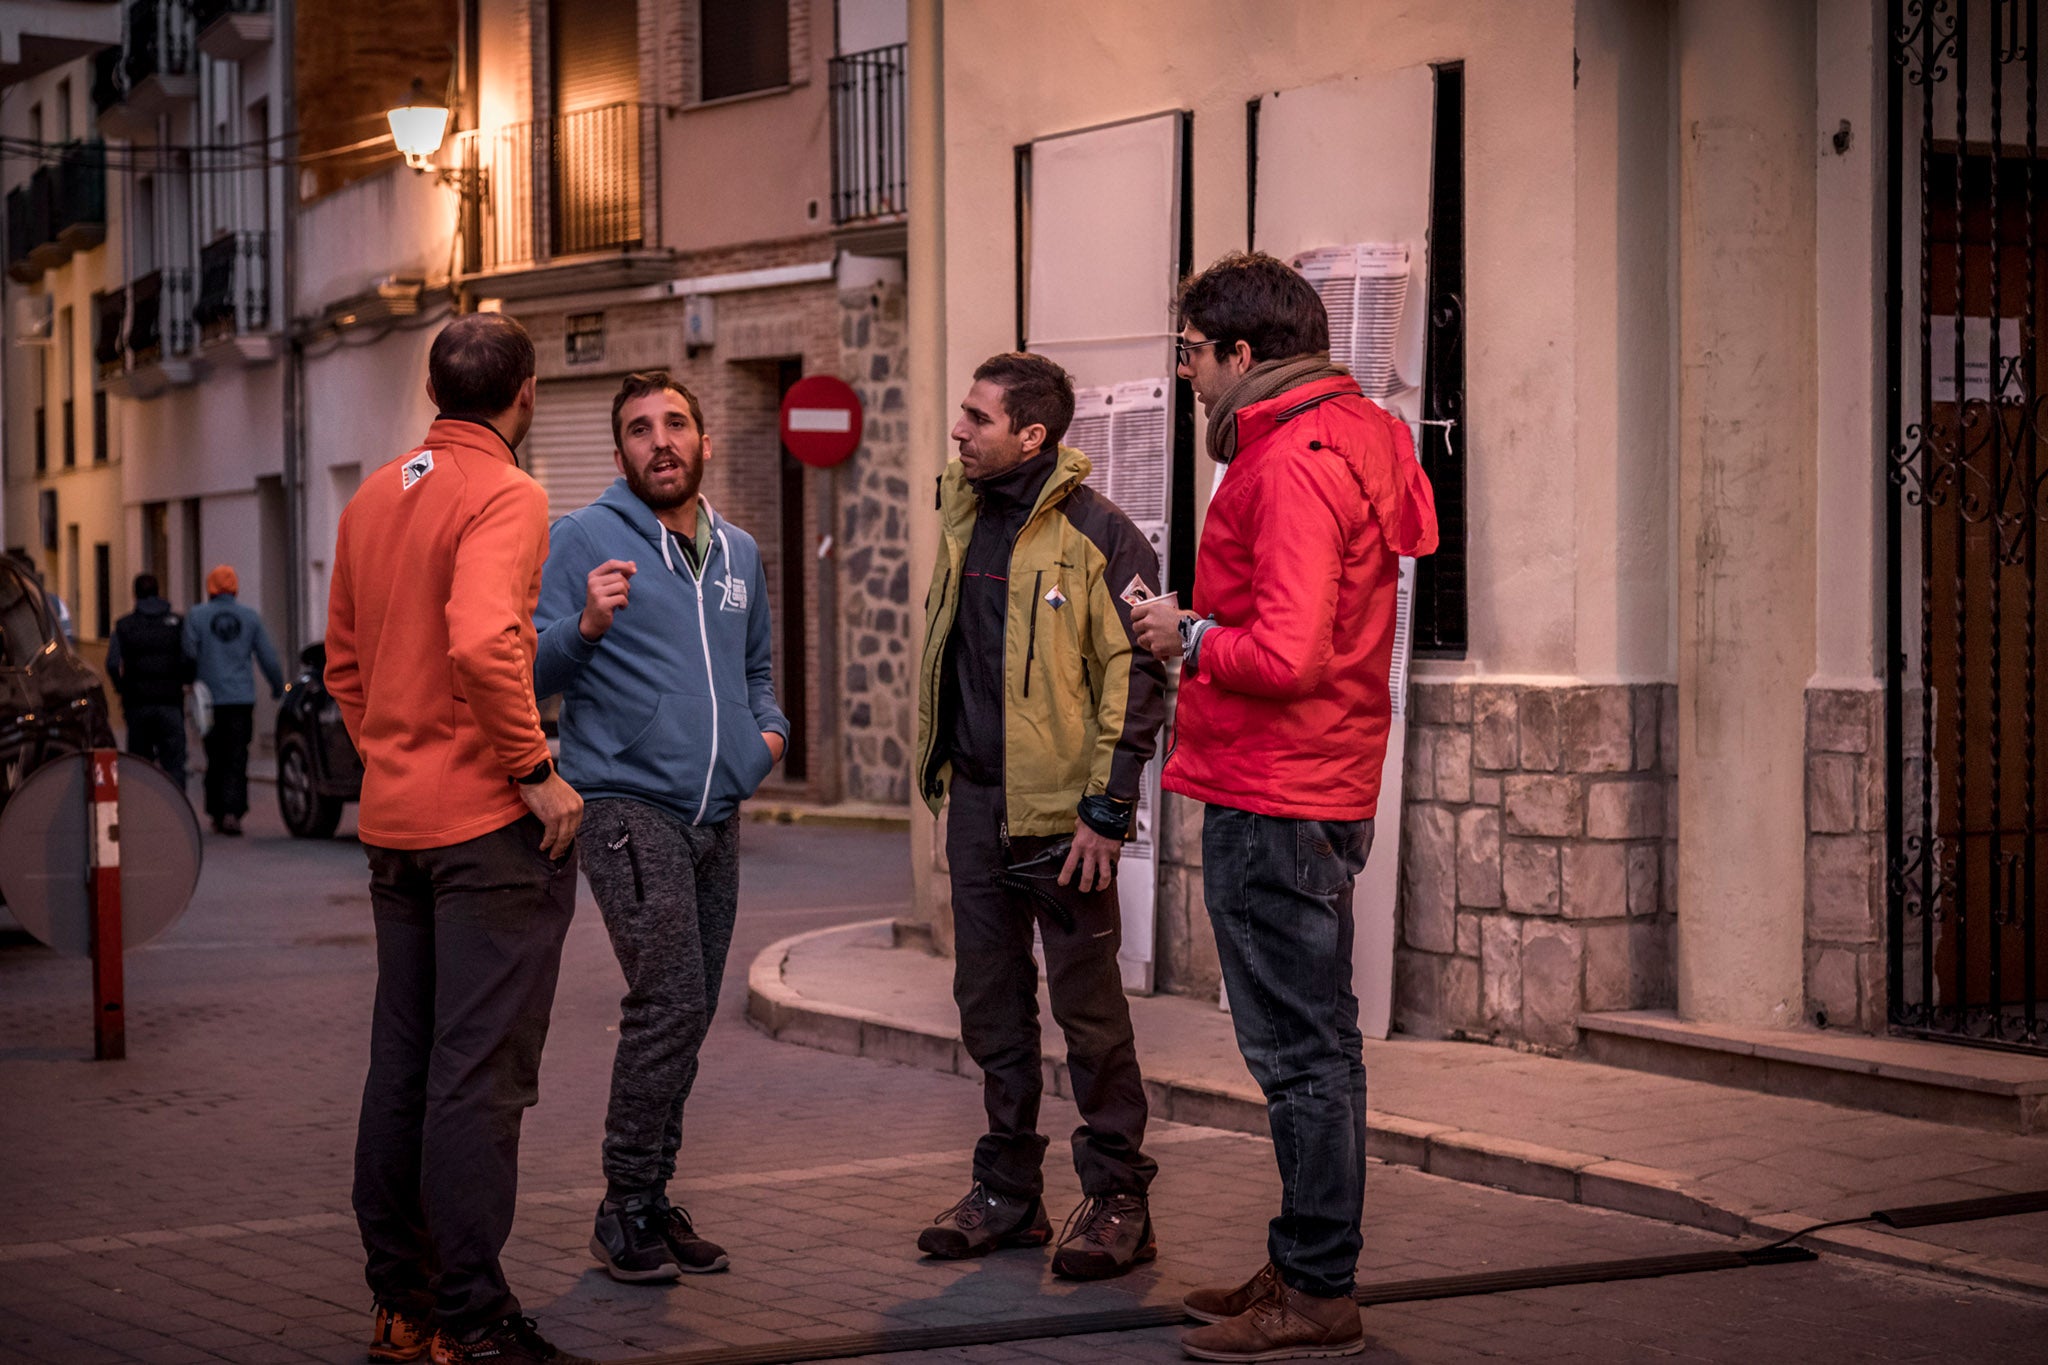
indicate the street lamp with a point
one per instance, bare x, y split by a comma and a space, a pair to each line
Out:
417, 127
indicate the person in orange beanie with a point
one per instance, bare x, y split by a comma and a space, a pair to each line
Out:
222, 637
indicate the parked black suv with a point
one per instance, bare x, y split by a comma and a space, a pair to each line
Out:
318, 770
51, 701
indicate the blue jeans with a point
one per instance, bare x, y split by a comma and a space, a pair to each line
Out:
1279, 896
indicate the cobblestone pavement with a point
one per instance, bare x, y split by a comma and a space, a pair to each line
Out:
191, 1203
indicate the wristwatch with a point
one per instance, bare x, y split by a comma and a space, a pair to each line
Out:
542, 771
1192, 629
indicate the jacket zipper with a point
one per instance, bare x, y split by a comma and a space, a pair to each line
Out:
625, 841
1031, 636
710, 680
931, 784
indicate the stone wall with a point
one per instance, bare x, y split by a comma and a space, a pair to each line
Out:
1845, 852
1538, 858
872, 550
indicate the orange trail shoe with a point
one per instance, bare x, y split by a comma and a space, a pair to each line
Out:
395, 1336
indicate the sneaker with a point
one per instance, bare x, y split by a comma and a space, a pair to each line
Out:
985, 1221
1104, 1236
513, 1340
231, 825
395, 1335
1217, 1305
1287, 1324
627, 1241
693, 1255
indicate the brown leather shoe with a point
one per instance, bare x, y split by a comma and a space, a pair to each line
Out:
1285, 1325
1217, 1305
397, 1337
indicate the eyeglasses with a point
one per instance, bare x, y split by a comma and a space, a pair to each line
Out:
1184, 350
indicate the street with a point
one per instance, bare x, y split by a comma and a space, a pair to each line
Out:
192, 1202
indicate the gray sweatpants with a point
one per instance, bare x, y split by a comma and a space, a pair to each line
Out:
669, 892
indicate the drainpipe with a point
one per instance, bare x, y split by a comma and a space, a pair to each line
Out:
285, 50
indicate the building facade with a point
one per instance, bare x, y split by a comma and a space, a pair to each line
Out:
1662, 723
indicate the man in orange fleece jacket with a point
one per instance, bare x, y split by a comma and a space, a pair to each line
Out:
471, 839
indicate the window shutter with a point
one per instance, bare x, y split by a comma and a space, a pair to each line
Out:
569, 448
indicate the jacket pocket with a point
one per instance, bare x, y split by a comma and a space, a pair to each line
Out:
744, 760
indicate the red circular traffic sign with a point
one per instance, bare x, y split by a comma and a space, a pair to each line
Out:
821, 420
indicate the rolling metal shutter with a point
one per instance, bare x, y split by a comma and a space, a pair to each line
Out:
569, 448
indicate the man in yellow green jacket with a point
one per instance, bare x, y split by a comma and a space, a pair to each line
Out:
1036, 715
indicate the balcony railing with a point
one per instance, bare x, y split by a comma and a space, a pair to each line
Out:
109, 330
159, 41
159, 317
584, 183
62, 209
870, 176
234, 286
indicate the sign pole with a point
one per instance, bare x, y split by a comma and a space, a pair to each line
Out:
103, 876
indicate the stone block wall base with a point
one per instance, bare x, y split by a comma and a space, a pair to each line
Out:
1538, 858
1845, 853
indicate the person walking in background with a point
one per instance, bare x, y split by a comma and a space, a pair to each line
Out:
471, 837
146, 663
1281, 731
669, 721
1036, 716
223, 640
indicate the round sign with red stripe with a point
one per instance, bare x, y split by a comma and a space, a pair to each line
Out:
821, 420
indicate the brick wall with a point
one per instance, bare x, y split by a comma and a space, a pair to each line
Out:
1845, 851
352, 63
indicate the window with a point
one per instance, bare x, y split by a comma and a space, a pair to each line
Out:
156, 542
102, 590
744, 46
42, 413
99, 426
195, 562
67, 366
64, 110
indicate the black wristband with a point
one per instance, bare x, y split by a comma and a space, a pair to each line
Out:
1107, 816
539, 775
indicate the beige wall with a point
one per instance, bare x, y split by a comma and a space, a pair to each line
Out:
1526, 257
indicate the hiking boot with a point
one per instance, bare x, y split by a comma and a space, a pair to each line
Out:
512, 1340
1106, 1235
985, 1221
627, 1241
396, 1335
693, 1255
1216, 1305
1287, 1324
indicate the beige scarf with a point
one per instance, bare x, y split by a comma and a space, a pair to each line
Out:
1262, 381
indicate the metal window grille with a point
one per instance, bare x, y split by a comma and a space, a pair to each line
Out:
1967, 820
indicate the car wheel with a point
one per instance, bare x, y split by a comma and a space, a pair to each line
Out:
307, 814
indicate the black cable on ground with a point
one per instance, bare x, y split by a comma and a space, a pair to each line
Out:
899, 1340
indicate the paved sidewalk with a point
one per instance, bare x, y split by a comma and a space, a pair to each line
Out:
1688, 1152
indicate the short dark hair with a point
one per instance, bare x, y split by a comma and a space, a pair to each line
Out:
1035, 392
478, 364
1258, 299
145, 586
639, 385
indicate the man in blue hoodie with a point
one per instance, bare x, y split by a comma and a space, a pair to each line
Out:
653, 623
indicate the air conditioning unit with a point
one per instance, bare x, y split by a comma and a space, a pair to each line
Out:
1364, 288
35, 320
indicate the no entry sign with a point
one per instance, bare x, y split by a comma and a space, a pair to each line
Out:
821, 420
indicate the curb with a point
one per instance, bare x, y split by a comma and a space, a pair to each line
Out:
848, 816
1439, 1149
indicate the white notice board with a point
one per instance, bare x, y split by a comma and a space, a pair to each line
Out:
1344, 175
1102, 261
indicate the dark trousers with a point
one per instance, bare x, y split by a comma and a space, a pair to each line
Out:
1279, 896
227, 760
469, 942
669, 892
157, 733
995, 983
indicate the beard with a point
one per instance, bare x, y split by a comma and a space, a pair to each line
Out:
665, 500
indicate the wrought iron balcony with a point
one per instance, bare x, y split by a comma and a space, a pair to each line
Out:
160, 324
234, 286
568, 189
160, 62
109, 329
870, 173
61, 210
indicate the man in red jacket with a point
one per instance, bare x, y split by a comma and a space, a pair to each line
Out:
1281, 731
